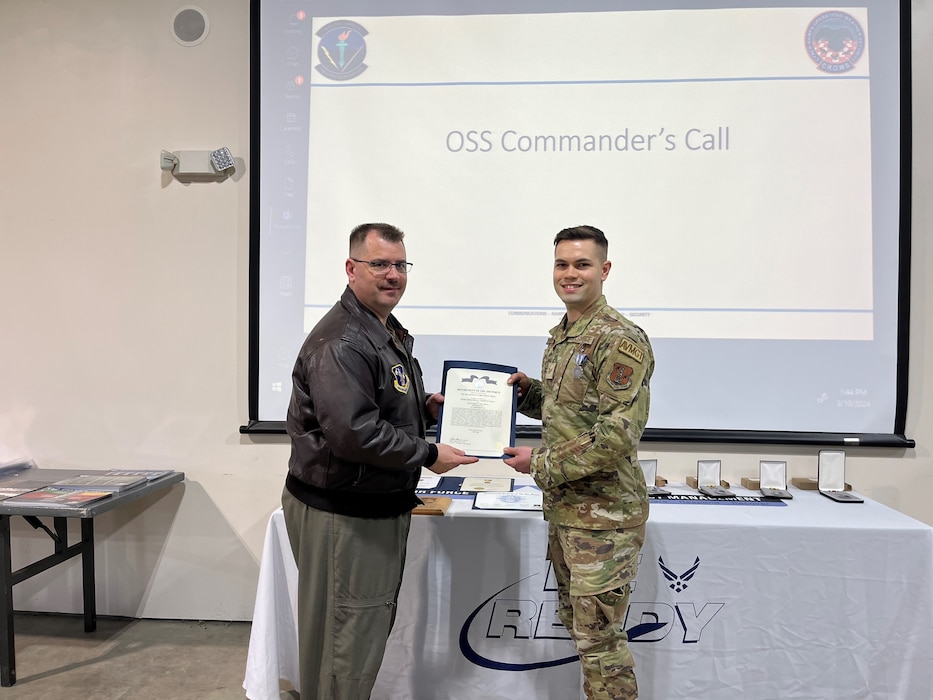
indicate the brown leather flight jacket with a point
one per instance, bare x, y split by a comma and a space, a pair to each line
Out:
357, 415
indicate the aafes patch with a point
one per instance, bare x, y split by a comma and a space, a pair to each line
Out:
629, 348
400, 379
620, 378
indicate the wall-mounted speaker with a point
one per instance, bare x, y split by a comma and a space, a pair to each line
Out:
190, 26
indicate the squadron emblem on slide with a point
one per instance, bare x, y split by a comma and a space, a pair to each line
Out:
835, 41
341, 50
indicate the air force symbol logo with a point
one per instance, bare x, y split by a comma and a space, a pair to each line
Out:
678, 582
341, 50
835, 41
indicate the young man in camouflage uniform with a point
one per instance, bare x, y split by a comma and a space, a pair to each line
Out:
593, 403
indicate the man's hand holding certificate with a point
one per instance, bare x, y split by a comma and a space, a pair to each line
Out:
478, 413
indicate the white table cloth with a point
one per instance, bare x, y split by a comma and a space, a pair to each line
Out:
812, 599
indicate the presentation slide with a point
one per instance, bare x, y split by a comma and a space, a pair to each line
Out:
476, 128
741, 160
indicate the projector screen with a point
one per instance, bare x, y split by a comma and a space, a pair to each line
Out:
745, 161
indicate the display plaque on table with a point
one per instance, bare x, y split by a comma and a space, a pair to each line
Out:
478, 413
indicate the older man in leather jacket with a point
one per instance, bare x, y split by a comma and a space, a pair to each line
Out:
357, 422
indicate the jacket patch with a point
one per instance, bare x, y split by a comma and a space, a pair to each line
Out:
620, 378
400, 380
629, 348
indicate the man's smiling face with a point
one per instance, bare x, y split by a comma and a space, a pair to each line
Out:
579, 273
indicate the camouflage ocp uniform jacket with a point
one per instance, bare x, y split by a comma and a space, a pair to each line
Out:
593, 402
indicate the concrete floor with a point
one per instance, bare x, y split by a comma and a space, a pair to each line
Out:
124, 658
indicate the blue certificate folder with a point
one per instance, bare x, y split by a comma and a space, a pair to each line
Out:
481, 375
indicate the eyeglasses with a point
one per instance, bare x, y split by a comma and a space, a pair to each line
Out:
381, 267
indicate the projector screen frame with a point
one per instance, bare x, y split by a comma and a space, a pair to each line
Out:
896, 439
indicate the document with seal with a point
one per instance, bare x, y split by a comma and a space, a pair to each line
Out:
483, 483
478, 413
521, 499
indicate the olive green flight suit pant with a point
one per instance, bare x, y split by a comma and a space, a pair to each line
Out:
349, 575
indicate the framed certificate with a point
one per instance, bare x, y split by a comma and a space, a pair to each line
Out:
478, 413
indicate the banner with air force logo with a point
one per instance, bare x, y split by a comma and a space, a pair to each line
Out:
489, 617
727, 599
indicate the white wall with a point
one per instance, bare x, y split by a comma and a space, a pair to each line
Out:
124, 303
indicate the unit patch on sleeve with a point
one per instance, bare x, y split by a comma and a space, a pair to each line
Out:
620, 378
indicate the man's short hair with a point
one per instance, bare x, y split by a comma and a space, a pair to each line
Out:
387, 232
585, 233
